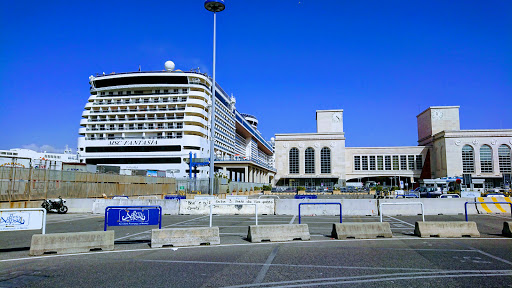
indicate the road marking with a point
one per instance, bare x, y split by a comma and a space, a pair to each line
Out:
175, 224
293, 219
378, 278
401, 221
266, 266
328, 241
492, 256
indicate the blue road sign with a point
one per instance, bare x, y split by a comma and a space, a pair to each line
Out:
178, 197
133, 216
306, 197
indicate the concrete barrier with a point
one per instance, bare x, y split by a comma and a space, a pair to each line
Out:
445, 229
77, 242
361, 230
276, 233
185, 237
432, 206
202, 207
169, 207
507, 229
493, 208
360, 207
80, 205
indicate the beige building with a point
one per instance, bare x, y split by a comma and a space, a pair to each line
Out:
321, 159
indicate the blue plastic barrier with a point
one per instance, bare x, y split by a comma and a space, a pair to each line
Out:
306, 196
326, 203
466, 206
171, 197
133, 216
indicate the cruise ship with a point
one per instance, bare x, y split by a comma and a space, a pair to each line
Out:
154, 120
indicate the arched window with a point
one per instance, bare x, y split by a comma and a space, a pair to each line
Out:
294, 161
325, 160
309, 161
468, 159
486, 159
504, 159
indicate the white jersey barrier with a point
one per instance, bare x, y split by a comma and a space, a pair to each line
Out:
80, 205
432, 206
202, 207
169, 207
364, 207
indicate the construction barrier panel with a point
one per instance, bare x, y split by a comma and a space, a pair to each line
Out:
366, 230
361, 207
276, 233
76, 242
446, 229
185, 237
432, 206
507, 229
169, 207
493, 208
202, 207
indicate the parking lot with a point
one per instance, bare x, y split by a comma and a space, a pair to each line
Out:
404, 260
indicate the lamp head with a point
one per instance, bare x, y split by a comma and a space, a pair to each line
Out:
214, 5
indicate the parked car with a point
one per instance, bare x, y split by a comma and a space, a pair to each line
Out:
429, 192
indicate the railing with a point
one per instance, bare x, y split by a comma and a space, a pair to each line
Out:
255, 209
320, 203
403, 203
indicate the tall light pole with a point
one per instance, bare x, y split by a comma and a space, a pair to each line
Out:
213, 6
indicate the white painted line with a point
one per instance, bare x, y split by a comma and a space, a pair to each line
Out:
401, 221
266, 266
293, 219
492, 256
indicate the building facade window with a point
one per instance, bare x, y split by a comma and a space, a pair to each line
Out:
468, 159
504, 159
372, 162
411, 162
293, 158
403, 162
357, 163
364, 163
388, 162
380, 162
419, 162
309, 161
325, 160
395, 162
486, 159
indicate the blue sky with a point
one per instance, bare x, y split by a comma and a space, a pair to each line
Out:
381, 61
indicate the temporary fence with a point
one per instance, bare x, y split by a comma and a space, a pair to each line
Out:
25, 184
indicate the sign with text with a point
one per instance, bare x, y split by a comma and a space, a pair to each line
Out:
133, 216
22, 219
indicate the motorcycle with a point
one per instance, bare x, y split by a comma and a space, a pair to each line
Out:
57, 204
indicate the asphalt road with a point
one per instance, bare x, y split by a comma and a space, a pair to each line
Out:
402, 261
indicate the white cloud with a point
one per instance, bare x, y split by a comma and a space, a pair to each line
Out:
42, 148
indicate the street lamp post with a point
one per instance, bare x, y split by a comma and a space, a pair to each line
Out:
213, 6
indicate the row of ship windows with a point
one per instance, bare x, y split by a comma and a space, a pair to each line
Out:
388, 162
137, 118
140, 126
174, 135
140, 100
142, 92
136, 109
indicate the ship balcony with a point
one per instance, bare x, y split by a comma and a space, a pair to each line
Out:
193, 128
197, 102
196, 110
89, 105
195, 119
84, 121
82, 131
86, 113
199, 94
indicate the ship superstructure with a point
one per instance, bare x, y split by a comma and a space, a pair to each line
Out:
153, 120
